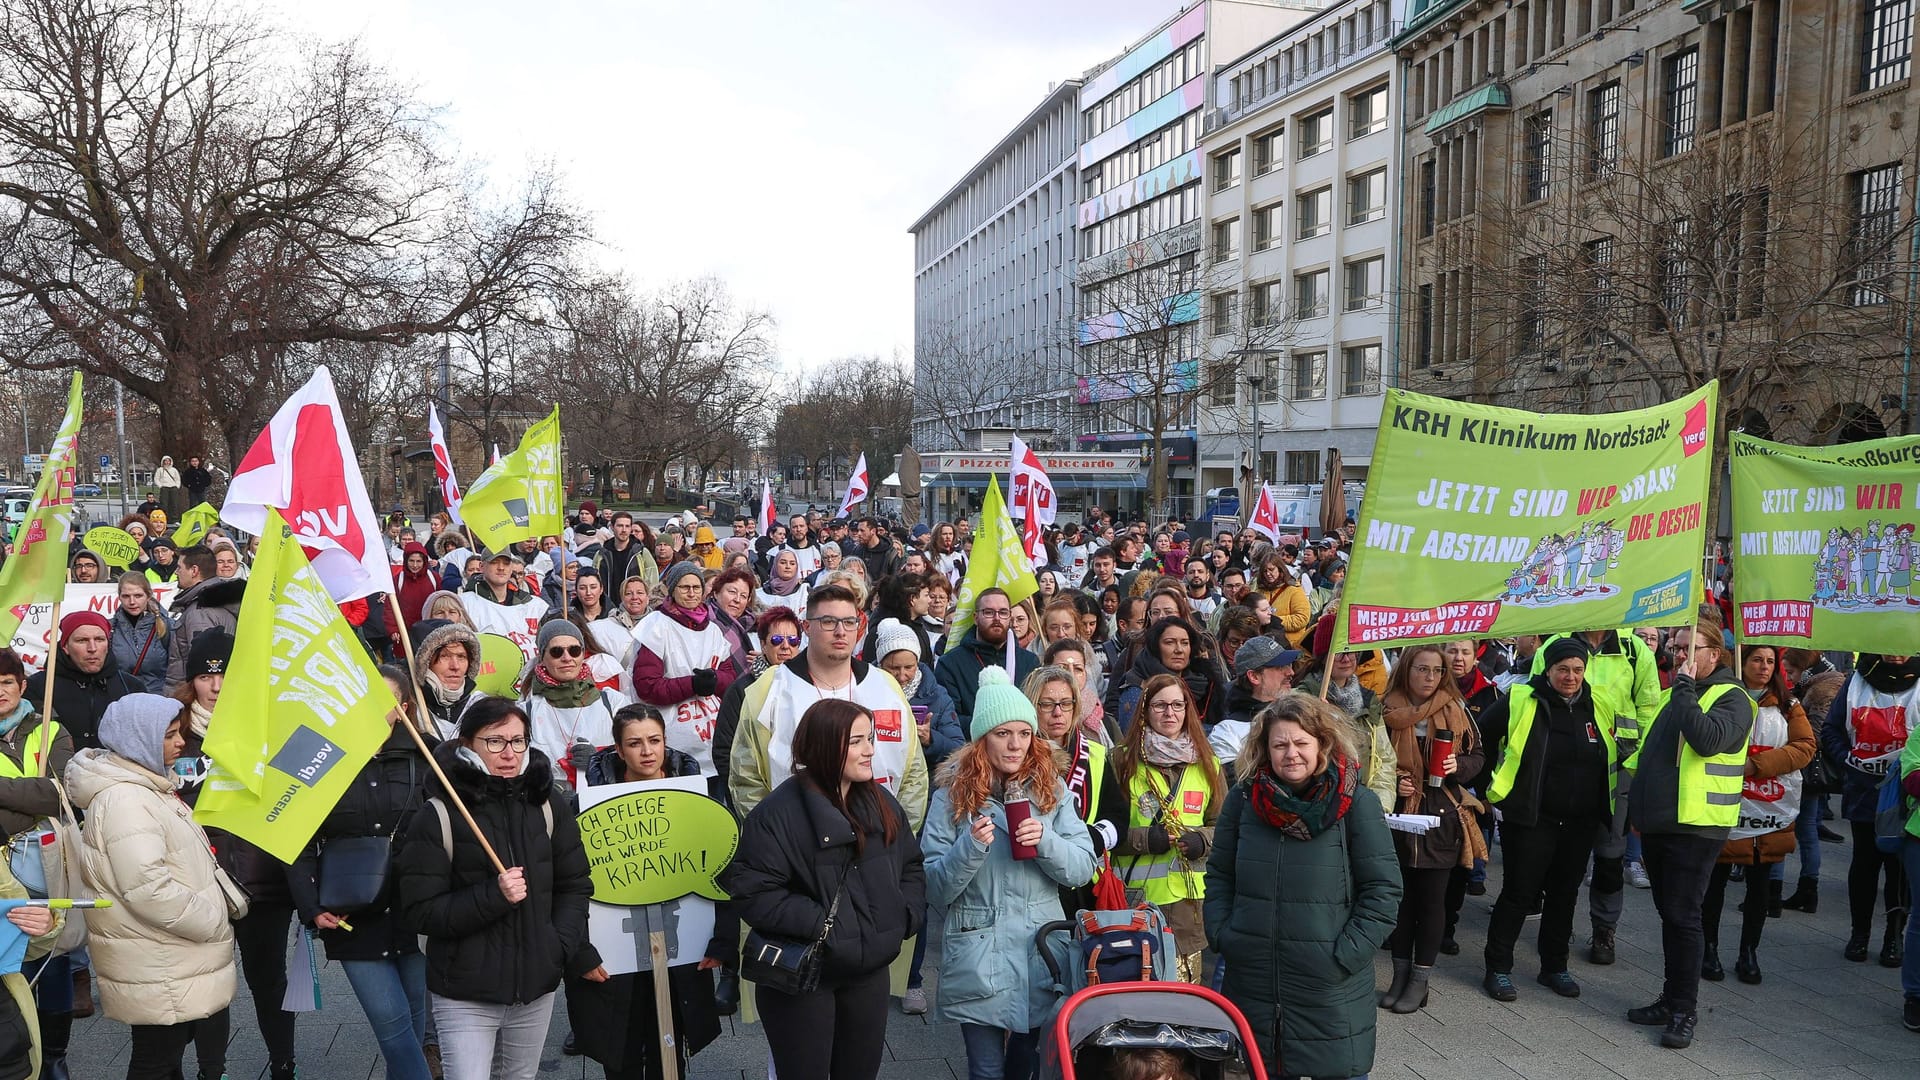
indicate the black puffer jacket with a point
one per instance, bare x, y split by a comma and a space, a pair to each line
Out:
379, 802
793, 850
79, 698
480, 947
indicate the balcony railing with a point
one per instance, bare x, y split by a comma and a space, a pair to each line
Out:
1355, 51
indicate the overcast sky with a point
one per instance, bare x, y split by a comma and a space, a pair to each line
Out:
783, 147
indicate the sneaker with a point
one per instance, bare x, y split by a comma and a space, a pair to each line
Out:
914, 1003
1654, 1015
1637, 876
1910, 1015
1560, 983
1499, 986
1679, 1033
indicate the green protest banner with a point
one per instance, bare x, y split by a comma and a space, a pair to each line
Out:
655, 846
1481, 521
1825, 544
117, 546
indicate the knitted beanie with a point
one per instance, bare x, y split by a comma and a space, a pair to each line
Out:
1566, 648
555, 628
999, 702
679, 570
891, 636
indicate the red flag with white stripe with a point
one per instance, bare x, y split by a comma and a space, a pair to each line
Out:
1266, 515
768, 516
443, 465
1033, 501
856, 488
304, 466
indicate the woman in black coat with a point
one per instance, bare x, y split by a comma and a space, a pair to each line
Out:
614, 1022
380, 955
498, 944
830, 839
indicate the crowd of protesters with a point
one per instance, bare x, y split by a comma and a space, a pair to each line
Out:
1167, 709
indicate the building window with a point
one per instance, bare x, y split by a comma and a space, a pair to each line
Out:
1603, 129
1266, 305
1266, 227
1675, 277
1533, 302
1886, 48
1596, 300
1226, 169
1268, 151
1681, 93
1226, 238
1316, 133
1269, 392
1428, 185
1876, 217
1303, 467
1423, 329
1366, 282
1224, 309
1314, 211
1536, 156
1309, 376
1310, 299
1368, 109
1360, 370
1221, 380
1367, 197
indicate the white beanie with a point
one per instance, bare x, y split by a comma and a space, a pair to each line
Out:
891, 636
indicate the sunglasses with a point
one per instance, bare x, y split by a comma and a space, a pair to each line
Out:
784, 639
555, 652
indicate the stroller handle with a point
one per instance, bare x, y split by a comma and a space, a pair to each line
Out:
1040, 943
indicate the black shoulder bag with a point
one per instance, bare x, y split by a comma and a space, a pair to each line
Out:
791, 967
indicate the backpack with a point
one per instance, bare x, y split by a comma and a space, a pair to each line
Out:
446, 824
1099, 947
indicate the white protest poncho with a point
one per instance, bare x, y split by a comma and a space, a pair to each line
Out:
553, 730
1878, 724
521, 622
789, 695
683, 650
1771, 804
618, 642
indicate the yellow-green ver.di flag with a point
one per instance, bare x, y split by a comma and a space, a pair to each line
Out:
519, 496
998, 562
37, 571
301, 711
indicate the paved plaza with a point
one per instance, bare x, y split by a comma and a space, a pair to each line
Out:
1815, 1017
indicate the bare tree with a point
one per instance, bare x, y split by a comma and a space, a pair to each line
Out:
1746, 258
857, 405
959, 385
194, 199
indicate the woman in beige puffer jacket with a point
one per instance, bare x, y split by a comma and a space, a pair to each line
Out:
163, 953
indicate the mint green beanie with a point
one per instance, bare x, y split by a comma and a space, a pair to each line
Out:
1000, 702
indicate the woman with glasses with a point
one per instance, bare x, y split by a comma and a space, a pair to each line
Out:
1174, 790
570, 715
1082, 760
1427, 720
683, 664
498, 944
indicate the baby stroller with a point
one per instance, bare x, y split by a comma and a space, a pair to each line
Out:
1099, 1023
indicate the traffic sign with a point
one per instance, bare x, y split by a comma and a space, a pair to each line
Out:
106, 461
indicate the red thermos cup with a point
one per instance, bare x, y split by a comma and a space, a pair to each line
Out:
1438, 747
1019, 809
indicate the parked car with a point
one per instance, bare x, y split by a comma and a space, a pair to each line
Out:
91, 491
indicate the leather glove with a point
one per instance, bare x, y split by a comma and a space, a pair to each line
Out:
1158, 842
580, 754
1193, 845
705, 682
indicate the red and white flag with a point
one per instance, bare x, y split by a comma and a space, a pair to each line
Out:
768, 516
303, 465
443, 465
856, 487
1266, 516
1033, 502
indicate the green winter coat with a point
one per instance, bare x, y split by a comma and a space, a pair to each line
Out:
1300, 923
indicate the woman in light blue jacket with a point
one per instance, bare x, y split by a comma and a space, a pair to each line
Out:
993, 981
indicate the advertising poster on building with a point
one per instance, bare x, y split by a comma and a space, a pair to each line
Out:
1481, 521
1825, 545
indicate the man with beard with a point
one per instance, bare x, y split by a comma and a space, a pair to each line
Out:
800, 541
984, 644
1201, 595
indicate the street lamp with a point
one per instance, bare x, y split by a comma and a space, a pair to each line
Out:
1254, 382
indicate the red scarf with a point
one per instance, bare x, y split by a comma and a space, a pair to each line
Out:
1302, 817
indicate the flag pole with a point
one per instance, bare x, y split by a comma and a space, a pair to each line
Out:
413, 729
46, 705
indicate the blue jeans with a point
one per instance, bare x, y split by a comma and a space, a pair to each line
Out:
1633, 846
1806, 833
1910, 959
914, 979
393, 993
995, 1054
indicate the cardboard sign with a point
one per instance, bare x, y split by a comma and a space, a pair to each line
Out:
657, 844
613, 928
117, 546
498, 673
